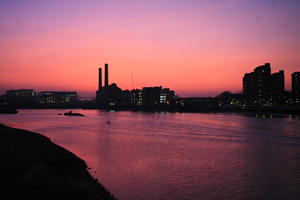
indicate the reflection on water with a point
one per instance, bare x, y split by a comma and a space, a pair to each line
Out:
178, 155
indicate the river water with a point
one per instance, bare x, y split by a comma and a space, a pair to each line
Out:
143, 156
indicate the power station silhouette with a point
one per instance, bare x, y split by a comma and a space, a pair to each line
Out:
112, 95
108, 94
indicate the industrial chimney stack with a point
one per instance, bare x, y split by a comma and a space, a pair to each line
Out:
106, 75
100, 79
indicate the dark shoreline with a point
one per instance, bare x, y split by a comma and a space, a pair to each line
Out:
32, 167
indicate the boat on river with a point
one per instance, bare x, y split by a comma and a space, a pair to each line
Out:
70, 113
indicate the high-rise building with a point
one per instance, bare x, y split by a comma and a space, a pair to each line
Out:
277, 82
262, 87
249, 87
256, 85
296, 83
277, 95
262, 75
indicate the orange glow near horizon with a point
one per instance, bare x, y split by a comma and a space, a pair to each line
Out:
194, 49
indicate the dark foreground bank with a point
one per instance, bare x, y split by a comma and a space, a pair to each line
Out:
32, 167
7, 110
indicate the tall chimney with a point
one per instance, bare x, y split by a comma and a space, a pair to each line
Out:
100, 79
106, 75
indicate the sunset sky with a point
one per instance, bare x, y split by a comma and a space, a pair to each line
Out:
195, 47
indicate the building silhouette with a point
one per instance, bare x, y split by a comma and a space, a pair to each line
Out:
249, 88
277, 88
277, 82
262, 87
57, 97
151, 96
296, 83
136, 97
227, 99
22, 97
29, 97
21, 93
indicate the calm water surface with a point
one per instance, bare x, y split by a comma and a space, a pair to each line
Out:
140, 156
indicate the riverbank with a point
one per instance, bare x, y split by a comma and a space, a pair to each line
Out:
32, 167
8, 110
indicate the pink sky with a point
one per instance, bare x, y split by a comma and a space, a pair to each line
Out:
196, 48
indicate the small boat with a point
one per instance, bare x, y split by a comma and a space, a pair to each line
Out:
70, 113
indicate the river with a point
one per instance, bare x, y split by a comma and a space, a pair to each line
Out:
143, 156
